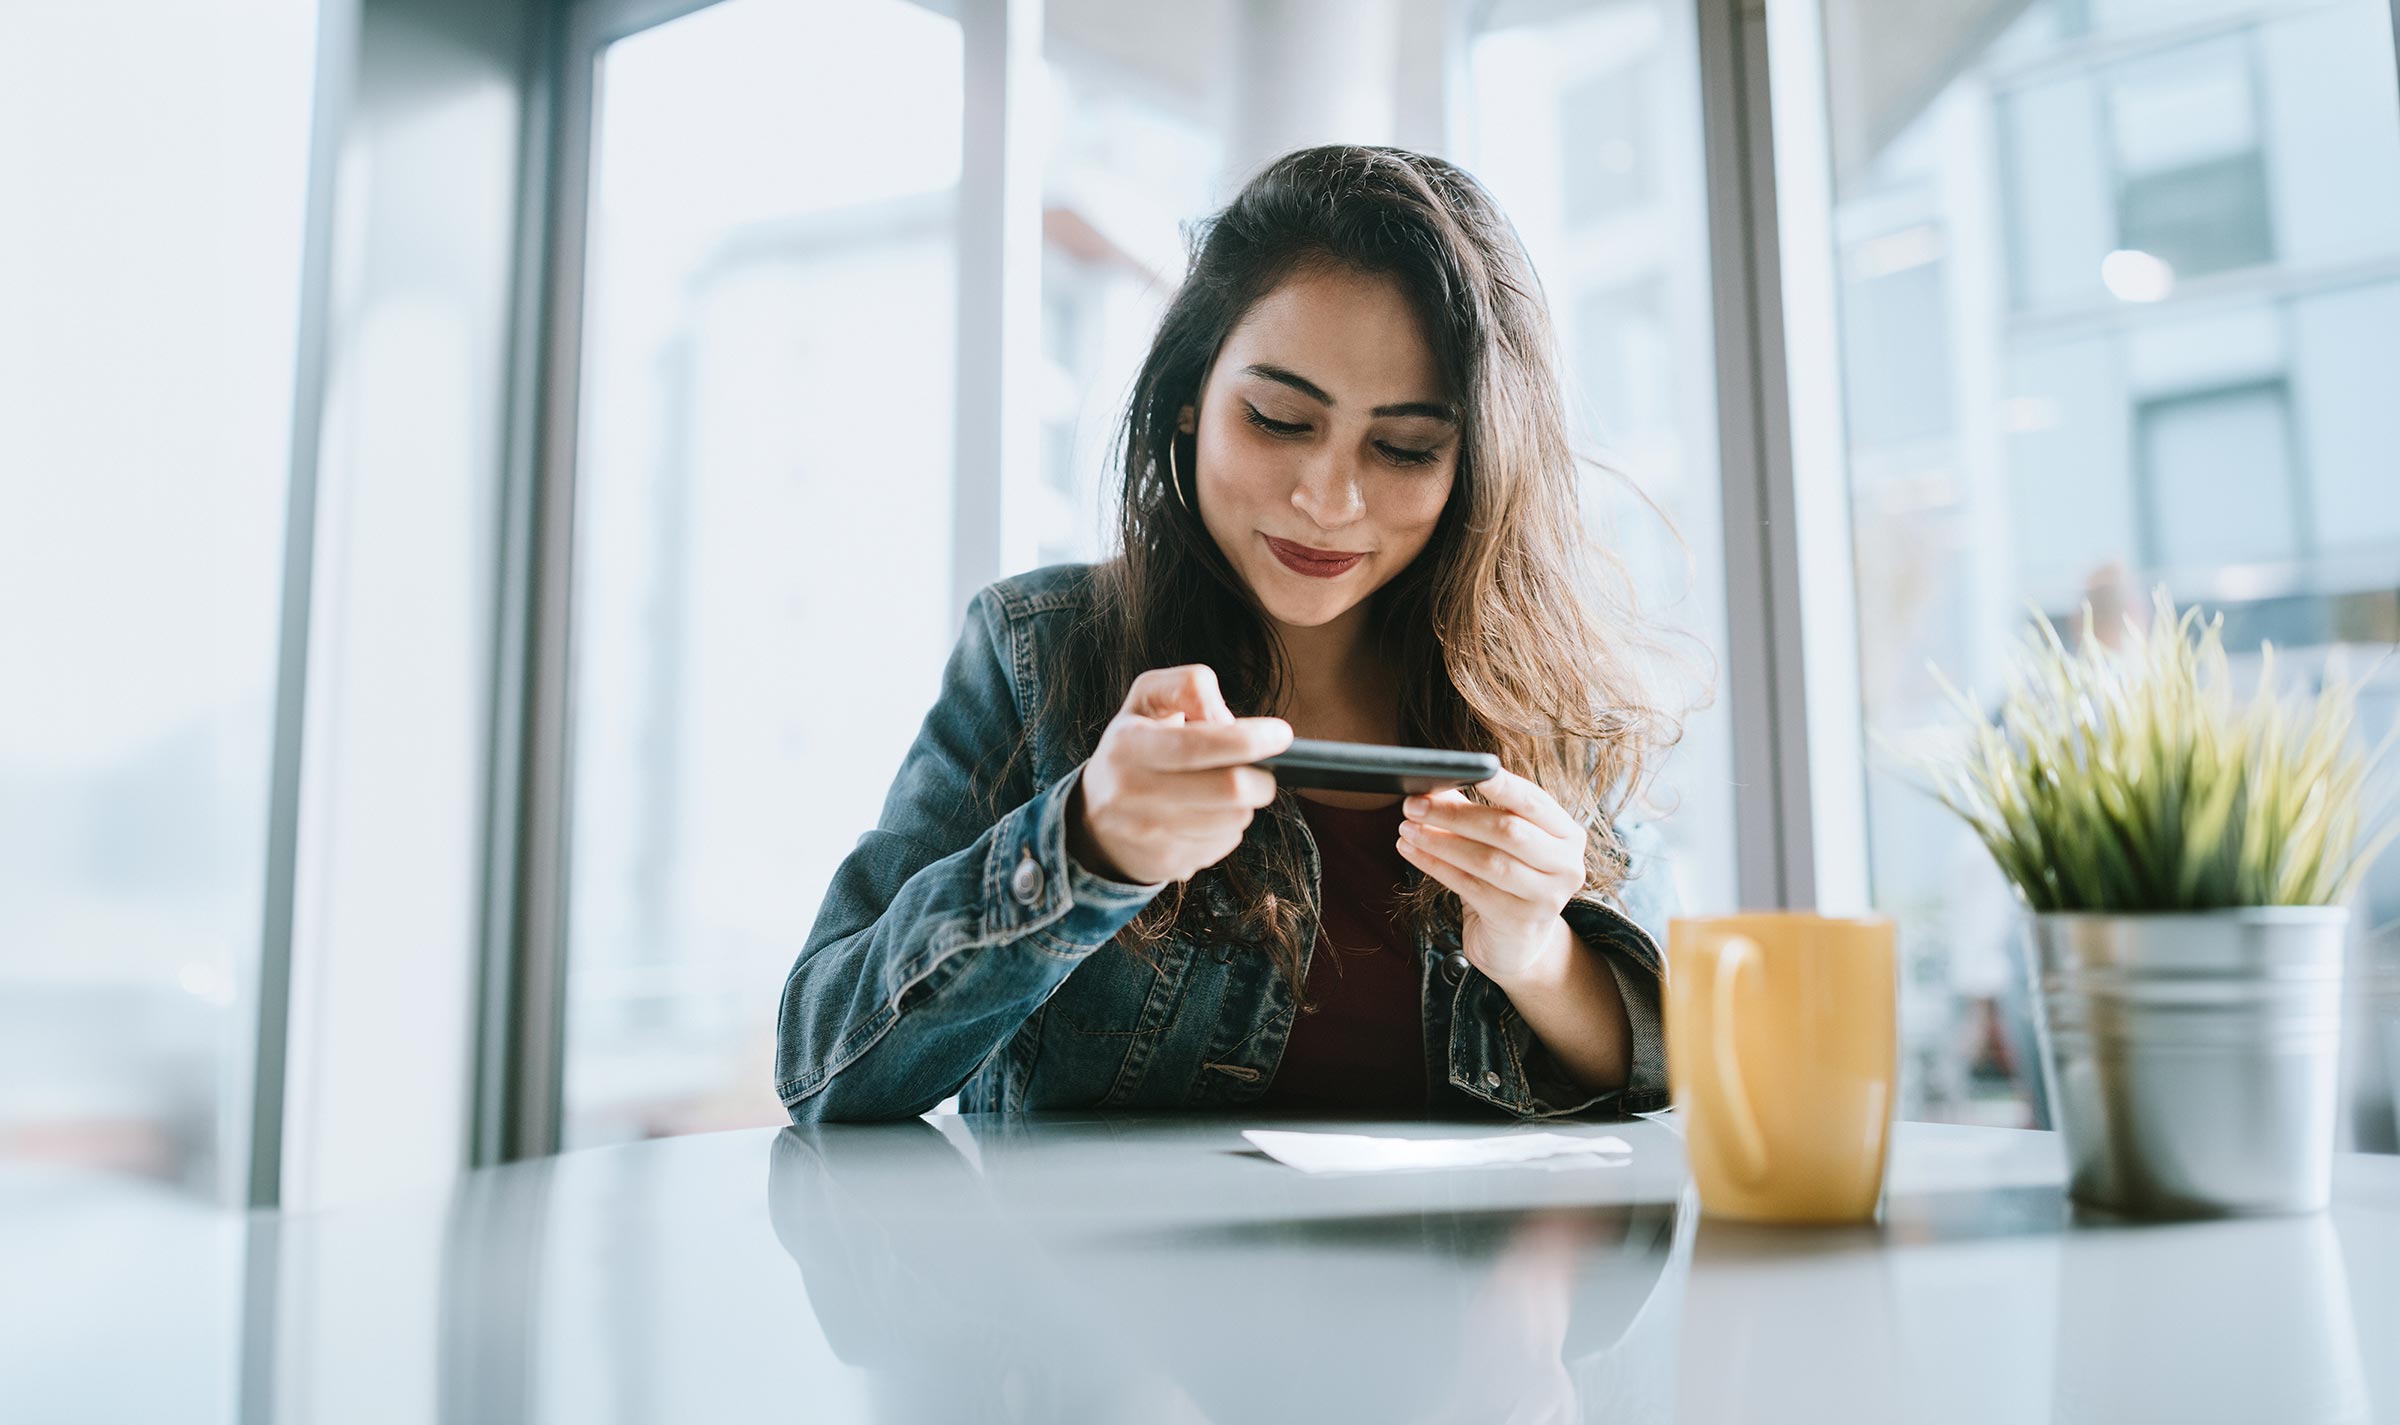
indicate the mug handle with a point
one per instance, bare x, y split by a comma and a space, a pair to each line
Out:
1728, 1093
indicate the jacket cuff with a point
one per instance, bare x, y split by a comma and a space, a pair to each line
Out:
1032, 884
1640, 970
1518, 1072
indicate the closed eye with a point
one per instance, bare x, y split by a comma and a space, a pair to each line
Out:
1272, 427
1401, 455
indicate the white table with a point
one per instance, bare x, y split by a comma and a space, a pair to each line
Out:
1068, 1268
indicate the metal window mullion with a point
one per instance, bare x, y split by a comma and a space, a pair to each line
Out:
251, 1163
1791, 658
1749, 672
1786, 616
998, 232
493, 1123
525, 992
1823, 704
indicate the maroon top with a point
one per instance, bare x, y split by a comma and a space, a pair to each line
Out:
1358, 1041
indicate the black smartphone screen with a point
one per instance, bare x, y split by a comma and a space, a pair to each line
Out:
1370, 767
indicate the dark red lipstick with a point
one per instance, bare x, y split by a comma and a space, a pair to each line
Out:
1315, 563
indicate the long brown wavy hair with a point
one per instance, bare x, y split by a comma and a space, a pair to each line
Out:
1513, 633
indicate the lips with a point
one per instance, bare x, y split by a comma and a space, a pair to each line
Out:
1315, 563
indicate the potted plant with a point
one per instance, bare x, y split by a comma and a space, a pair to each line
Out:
2185, 856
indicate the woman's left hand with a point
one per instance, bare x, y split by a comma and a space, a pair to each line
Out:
1515, 864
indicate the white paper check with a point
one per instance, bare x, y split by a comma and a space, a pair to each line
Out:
1358, 1153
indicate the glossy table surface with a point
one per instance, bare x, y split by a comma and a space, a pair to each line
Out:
1159, 1270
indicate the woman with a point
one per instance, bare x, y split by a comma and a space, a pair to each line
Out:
1349, 511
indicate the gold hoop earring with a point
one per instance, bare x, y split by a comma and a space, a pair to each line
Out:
1175, 476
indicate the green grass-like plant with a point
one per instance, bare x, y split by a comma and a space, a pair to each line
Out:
2132, 779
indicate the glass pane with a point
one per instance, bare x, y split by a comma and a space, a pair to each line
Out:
1582, 119
2191, 178
2219, 478
1609, 168
2120, 304
1130, 152
147, 325
1585, 122
766, 451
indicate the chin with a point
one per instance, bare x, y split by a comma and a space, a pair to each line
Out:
1298, 609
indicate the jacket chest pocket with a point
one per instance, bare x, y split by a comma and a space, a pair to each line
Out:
1117, 994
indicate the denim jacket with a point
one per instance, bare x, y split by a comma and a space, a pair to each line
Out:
953, 954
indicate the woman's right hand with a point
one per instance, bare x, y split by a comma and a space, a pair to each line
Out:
1169, 791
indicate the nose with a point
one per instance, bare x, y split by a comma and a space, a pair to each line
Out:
1331, 492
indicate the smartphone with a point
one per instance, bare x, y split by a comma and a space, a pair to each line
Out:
1368, 767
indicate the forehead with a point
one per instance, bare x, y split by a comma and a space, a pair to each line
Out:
1353, 333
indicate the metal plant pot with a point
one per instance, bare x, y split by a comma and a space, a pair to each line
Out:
2194, 1060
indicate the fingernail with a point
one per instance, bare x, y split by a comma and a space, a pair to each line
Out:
1415, 806
1409, 830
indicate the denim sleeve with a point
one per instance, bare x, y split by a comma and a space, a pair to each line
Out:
1632, 946
942, 931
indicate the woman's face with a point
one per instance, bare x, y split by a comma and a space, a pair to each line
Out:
1327, 443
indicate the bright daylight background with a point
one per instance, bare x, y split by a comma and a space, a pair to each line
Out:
768, 450
2119, 300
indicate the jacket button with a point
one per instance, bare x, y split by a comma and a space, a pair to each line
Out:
1454, 966
1025, 883
1491, 1078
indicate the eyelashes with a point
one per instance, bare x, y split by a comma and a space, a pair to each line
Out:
1285, 430
1271, 427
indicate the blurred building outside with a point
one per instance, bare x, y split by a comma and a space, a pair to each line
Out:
2120, 302
2120, 288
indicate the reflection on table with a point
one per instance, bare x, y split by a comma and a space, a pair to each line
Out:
962, 1268
1156, 1269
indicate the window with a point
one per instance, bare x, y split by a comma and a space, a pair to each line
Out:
149, 297
2117, 306
1131, 154
771, 323
1896, 338
1624, 357
1606, 167
2191, 180
1581, 118
1585, 123
2217, 481
767, 449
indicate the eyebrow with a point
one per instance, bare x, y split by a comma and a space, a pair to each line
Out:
1434, 409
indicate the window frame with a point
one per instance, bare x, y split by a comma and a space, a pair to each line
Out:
1791, 672
1787, 587
521, 1043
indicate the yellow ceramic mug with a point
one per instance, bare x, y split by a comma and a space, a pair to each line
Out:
1782, 1052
